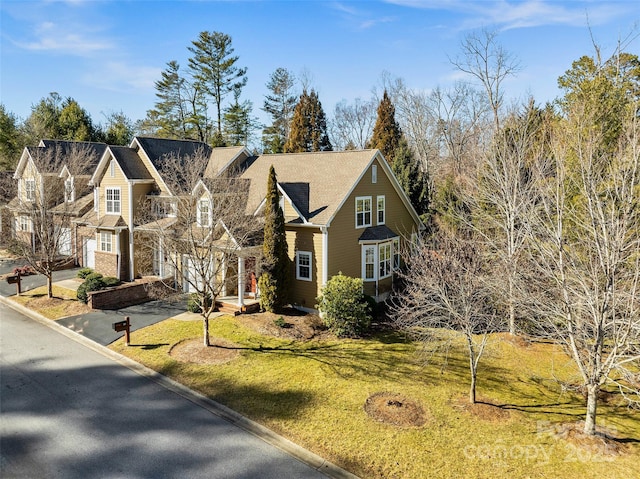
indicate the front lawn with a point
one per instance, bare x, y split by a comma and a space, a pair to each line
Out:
314, 393
64, 302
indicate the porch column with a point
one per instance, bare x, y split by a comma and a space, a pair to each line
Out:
240, 281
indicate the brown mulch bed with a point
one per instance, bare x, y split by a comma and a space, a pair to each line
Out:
71, 307
298, 325
604, 443
395, 409
194, 351
482, 409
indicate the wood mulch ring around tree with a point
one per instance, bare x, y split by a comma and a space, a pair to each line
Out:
193, 350
395, 409
482, 409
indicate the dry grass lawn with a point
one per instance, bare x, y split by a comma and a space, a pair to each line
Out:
64, 302
315, 391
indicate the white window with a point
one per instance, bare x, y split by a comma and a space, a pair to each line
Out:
30, 189
69, 191
113, 200
303, 265
396, 253
369, 262
374, 174
204, 213
105, 241
380, 210
24, 224
112, 168
384, 252
363, 211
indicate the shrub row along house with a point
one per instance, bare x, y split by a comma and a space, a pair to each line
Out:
160, 207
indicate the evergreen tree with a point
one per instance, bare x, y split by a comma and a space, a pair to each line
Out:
74, 123
214, 69
119, 129
386, 133
280, 105
411, 177
43, 122
238, 122
10, 140
308, 127
274, 280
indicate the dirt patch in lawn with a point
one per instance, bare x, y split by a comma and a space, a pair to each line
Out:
290, 324
482, 409
194, 351
56, 308
603, 444
395, 409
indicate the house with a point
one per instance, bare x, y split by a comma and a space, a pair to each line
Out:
344, 212
52, 177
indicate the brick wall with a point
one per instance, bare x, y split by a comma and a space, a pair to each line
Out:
127, 294
107, 264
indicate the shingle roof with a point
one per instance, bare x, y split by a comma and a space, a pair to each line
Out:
378, 233
78, 207
92, 152
222, 157
317, 182
131, 164
106, 221
158, 149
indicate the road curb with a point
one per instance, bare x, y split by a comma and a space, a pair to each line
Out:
301, 454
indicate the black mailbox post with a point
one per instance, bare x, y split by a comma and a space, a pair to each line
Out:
15, 279
123, 326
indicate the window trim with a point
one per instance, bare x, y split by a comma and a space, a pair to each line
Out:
104, 242
208, 212
385, 259
113, 201
30, 192
24, 224
364, 199
383, 210
299, 256
371, 247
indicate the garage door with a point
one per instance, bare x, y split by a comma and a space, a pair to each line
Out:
64, 243
89, 253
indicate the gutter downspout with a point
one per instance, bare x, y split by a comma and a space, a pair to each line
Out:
131, 265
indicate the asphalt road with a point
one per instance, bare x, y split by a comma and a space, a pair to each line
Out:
69, 411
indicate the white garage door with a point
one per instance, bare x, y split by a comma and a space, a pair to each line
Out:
64, 244
89, 253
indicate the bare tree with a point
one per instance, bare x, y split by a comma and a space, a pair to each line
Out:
586, 243
201, 231
445, 293
352, 125
45, 210
503, 202
487, 61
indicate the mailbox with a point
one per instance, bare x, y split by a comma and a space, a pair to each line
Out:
121, 326
13, 279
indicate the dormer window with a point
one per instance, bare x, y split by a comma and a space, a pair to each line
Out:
374, 173
112, 168
69, 191
30, 190
204, 213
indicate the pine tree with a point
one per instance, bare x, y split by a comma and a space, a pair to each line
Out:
280, 105
386, 133
411, 177
308, 127
238, 122
214, 69
274, 281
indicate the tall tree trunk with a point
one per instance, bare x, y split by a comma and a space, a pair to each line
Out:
592, 405
205, 323
472, 389
50, 285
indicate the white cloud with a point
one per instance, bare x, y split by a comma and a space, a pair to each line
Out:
56, 38
120, 76
363, 20
508, 14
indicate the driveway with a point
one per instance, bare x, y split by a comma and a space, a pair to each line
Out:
98, 325
32, 281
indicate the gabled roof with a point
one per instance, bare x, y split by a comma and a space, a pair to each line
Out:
128, 160
317, 183
78, 207
226, 158
91, 151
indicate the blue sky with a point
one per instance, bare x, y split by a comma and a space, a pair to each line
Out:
108, 54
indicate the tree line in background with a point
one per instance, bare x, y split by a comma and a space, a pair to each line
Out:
532, 211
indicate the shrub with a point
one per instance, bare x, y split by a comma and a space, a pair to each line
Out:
280, 322
344, 307
194, 303
84, 272
95, 282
